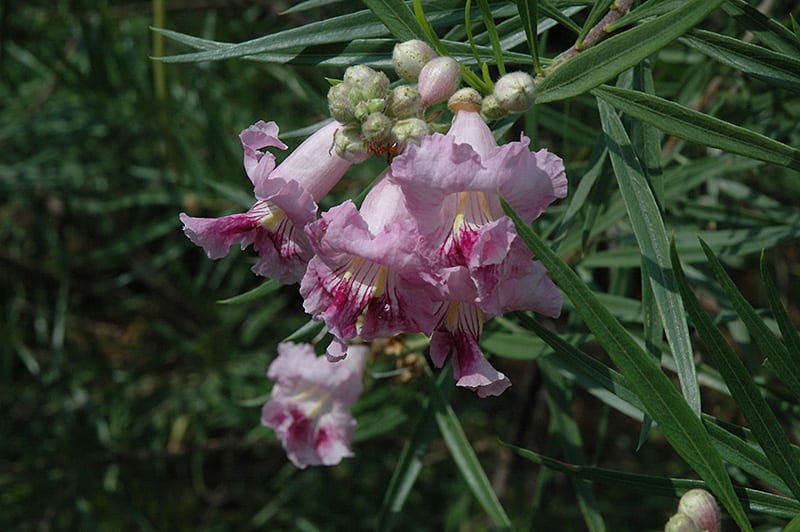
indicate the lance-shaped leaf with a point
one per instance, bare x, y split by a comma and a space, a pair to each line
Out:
600, 63
678, 120
682, 428
648, 227
765, 426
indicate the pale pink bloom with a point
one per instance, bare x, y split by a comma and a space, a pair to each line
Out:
286, 201
438, 80
367, 278
309, 408
451, 185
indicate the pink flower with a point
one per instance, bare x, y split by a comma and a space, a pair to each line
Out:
286, 201
310, 402
367, 278
451, 185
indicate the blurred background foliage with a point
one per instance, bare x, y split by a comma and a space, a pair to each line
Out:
130, 396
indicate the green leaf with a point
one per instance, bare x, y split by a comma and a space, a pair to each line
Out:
464, 456
528, 13
755, 501
786, 363
409, 464
494, 38
651, 235
772, 67
264, 289
396, 16
790, 335
663, 402
616, 54
675, 119
769, 31
794, 525
766, 428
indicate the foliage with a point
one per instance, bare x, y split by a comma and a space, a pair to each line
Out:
131, 393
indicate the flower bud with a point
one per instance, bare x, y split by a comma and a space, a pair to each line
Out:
409, 57
680, 523
349, 145
438, 80
490, 108
365, 108
515, 91
466, 99
341, 108
376, 128
702, 508
403, 102
409, 131
368, 82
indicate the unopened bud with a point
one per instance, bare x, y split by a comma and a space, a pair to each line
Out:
409, 131
466, 99
438, 80
702, 508
490, 108
365, 108
349, 145
409, 57
341, 108
515, 92
403, 102
680, 523
376, 128
368, 82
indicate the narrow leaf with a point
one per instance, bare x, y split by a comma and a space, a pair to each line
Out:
648, 227
528, 12
494, 38
464, 456
663, 402
264, 289
790, 335
612, 56
769, 31
678, 120
766, 429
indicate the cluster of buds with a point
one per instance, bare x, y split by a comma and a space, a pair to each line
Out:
429, 250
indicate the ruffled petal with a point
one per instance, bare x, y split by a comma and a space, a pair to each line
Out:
259, 164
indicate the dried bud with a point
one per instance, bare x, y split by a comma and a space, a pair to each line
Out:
702, 508
376, 128
515, 92
680, 523
466, 99
409, 131
490, 108
438, 80
349, 145
403, 102
409, 57
368, 82
341, 108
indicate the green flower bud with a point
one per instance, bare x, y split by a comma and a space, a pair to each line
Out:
409, 131
515, 92
680, 523
466, 99
376, 129
403, 102
341, 108
365, 108
490, 108
409, 57
370, 83
349, 145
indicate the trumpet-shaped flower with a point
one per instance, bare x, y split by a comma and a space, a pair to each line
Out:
286, 198
451, 185
367, 278
309, 408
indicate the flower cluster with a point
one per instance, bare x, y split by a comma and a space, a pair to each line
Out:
428, 251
